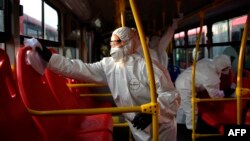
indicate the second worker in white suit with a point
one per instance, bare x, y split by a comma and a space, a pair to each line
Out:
207, 79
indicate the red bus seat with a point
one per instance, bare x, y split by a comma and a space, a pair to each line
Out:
86, 101
102, 102
62, 92
15, 121
37, 95
217, 114
246, 84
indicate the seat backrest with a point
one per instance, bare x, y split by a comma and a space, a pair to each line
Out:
15, 121
246, 79
37, 95
61, 91
58, 85
84, 101
69, 97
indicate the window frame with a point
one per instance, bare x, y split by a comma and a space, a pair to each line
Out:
43, 40
7, 22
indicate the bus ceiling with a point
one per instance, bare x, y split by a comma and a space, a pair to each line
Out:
155, 14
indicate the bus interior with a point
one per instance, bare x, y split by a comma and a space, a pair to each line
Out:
64, 109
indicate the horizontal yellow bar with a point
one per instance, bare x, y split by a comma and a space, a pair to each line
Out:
115, 119
207, 135
87, 111
98, 95
85, 85
216, 99
121, 124
245, 91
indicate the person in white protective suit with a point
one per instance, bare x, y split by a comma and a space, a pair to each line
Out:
158, 45
207, 78
126, 75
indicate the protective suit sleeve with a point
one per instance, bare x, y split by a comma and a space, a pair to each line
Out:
207, 78
166, 38
164, 42
214, 90
168, 35
168, 97
76, 69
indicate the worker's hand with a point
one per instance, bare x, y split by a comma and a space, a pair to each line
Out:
44, 53
142, 120
229, 91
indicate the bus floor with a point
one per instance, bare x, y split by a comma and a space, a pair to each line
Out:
183, 134
121, 134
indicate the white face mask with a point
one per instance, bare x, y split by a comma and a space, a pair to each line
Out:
130, 47
117, 54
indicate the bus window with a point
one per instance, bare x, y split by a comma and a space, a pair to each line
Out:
220, 35
70, 52
193, 34
180, 55
51, 23
220, 32
1, 16
2, 46
31, 20
179, 39
236, 27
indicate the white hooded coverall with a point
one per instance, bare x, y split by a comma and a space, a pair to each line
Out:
129, 85
207, 78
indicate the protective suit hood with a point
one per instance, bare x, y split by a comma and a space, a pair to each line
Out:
221, 62
128, 35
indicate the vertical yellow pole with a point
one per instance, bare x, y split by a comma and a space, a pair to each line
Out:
149, 67
122, 9
240, 68
201, 17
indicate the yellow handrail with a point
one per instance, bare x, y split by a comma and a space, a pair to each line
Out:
149, 67
201, 17
85, 85
240, 68
125, 124
122, 10
86, 111
216, 99
97, 95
